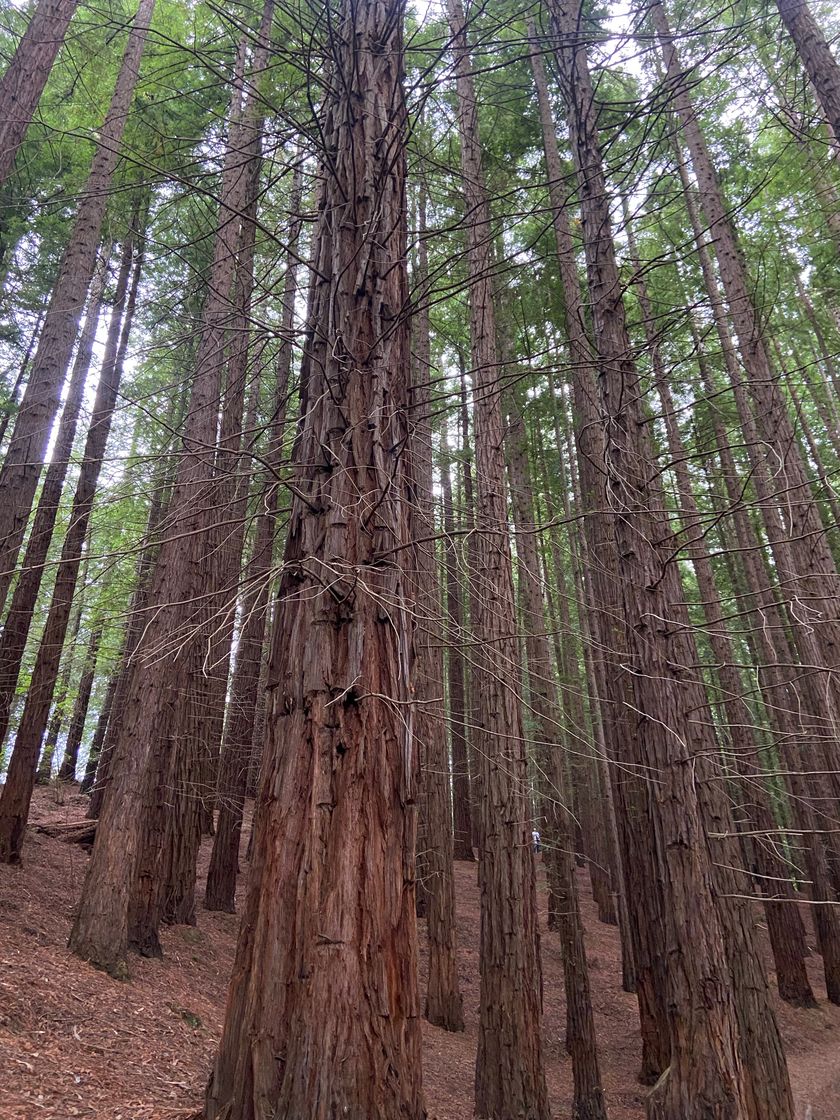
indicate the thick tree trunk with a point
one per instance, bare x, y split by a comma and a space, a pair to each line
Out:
322, 1011
443, 1005
713, 1070
815, 54
510, 1076
67, 770
26, 75
25, 597
17, 792
640, 859
25, 455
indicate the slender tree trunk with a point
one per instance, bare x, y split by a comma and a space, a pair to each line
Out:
322, 1015
713, 1070
25, 597
107, 729
26, 75
45, 766
510, 1076
443, 1005
17, 792
455, 673
589, 1103
246, 697
67, 770
25, 455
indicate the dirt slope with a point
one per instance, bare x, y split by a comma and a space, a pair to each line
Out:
74, 1043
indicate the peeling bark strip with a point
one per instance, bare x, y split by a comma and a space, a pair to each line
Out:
25, 456
322, 1017
23, 83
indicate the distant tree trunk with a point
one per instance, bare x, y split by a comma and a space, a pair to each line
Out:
26, 75
17, 792
220, 893
67, 770
95, 752
107, 729
45, 766
643, 887
785, 934
25, 597
510, 1075
815, 54
322, 1010
22, 373
713, 1070
793, 559
581, 1042
443, 1005
24, 458
454, 632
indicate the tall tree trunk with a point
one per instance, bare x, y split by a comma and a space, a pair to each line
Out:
25, 597
510, 1076
443, 1005
713, 1070
45, 765
17, 792
26, 75
589, 1103
642, 886
246, 697
67, 770
24, 458
168, 831
455, 672
786, 939
820, 64
322, 1010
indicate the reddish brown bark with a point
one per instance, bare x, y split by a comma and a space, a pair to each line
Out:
788, 951
26, 75
443, 1005
642, 886
510, 1076
322, 1010
714, 1068
581, 1043
246, 696
462, 805
24, 458
816, 57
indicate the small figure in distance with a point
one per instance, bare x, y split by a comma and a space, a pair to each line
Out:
537, 842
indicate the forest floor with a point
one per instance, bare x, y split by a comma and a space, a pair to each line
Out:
74, 1043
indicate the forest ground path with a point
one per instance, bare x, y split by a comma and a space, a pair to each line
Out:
74, 1043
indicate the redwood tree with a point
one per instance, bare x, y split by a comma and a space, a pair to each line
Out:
322, 1008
